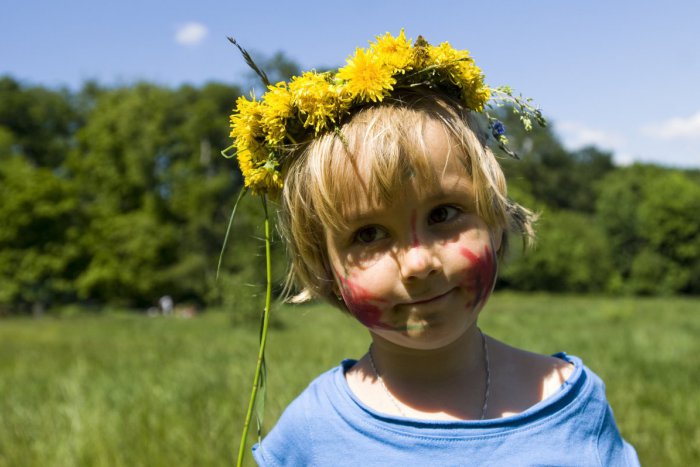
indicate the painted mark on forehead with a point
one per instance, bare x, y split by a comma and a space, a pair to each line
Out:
479, 281
414, 233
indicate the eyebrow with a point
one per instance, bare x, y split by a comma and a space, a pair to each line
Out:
455, 186
460, 187
365, 216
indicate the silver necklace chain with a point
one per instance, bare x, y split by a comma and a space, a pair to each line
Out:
393, 400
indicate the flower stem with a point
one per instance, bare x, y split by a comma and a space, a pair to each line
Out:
263, 338
225, 152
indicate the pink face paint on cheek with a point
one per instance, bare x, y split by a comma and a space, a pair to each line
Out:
481, 279
362, 304
414, 234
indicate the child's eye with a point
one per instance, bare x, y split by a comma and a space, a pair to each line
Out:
369, 234
442, 214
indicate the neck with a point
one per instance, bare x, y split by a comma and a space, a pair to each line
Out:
447, 383
461, 361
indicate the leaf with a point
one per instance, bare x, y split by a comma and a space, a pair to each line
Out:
251, 63
260, 399
228, 229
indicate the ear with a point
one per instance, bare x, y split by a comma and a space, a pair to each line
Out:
331, 278
340, 301
334, 286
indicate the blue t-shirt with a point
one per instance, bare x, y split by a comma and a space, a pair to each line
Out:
328, 426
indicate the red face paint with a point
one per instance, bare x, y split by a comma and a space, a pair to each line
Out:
362, 304
480, 280
414, 235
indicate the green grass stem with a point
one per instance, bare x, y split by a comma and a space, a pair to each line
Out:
263, 340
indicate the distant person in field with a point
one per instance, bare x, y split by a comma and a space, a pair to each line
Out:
166, 304
395, 211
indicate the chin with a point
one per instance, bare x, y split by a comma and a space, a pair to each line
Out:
420, 336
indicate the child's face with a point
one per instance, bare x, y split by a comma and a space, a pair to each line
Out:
417, 272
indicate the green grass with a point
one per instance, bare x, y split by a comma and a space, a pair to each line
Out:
124, 389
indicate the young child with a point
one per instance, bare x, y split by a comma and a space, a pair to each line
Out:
399, 217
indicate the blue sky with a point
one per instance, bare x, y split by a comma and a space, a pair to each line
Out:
623, 74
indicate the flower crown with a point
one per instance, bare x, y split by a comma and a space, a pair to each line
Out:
266, 130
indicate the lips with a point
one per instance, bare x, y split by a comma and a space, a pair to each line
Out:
434, 298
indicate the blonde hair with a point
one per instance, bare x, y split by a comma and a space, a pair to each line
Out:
323, 179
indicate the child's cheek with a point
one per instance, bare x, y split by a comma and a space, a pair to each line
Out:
469, 234
480, 278
361, 303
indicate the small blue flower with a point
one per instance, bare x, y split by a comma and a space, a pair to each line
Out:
498, 128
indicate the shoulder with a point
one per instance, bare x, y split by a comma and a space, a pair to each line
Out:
576, 406
290, 441
320, 396
521, 379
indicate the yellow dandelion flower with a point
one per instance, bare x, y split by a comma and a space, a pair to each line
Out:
420, 58
244, 155
259, 168
470, 80
275, 110
476, 95
457, 67
265, 179
248, 135
452, 63
366, 77
394, 52
250, 156
245, 160
446, 54
470, 73
319, 101
245, 121
446, 57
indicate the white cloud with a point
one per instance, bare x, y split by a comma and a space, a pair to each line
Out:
679, 127
576, 135
190, 34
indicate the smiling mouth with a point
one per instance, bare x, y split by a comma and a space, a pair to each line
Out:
430, 300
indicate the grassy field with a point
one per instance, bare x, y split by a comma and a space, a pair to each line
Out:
125, 389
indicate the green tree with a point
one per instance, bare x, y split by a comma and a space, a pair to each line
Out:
617, 209
572, 254
155, 191
41, 122
556, 178
650, 216
39, 233
670, 224
130, 199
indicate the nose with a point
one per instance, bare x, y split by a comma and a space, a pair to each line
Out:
418, 262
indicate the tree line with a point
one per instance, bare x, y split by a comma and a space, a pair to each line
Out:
115, 196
